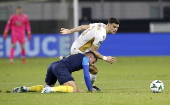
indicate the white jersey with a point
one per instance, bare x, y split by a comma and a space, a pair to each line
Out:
95, 34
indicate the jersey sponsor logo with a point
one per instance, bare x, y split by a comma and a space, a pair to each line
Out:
18, 23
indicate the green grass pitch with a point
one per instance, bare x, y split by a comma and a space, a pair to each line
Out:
124, 83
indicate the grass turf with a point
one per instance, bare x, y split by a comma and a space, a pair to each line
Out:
124, 83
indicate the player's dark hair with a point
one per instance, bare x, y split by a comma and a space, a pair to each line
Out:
91, 52
113, 20
19, 7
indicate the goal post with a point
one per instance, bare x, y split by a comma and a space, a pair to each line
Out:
76, 18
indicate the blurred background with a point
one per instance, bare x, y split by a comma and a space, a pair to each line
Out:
144, 25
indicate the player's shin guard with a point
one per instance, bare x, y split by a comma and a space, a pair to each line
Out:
92, 78
67, 89
37, 88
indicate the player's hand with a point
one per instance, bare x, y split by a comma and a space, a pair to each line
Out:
81, 91
5, 34
111, 59
65, 31
90, 91
29, 36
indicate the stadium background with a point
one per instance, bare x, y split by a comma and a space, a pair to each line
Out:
134, 37
141, 46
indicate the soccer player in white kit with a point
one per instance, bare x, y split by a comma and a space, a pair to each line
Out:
91, 39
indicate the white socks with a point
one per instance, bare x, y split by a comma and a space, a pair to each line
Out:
92, 78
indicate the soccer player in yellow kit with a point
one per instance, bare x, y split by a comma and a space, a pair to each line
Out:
91, 39
61, 71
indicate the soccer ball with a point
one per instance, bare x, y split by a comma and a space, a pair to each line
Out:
157, 86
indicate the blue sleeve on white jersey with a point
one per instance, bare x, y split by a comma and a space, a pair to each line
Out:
85, 64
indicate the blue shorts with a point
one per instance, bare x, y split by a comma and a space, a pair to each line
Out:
58, 71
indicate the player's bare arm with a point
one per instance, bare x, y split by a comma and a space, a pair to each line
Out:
77, 29
109, 59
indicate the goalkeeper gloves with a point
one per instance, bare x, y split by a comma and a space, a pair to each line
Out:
29, 35
5, 34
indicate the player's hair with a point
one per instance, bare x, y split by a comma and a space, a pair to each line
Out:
19, 7
91, 52
113, 20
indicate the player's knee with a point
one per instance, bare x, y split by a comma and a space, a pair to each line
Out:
93, 70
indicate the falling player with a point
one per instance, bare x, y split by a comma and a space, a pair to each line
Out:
91, 39
18, 23
61, 71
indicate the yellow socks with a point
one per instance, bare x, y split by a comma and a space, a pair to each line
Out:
66, 89
37, 88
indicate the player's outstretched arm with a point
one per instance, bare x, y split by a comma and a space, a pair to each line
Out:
85, 64
77, 29
109, 59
